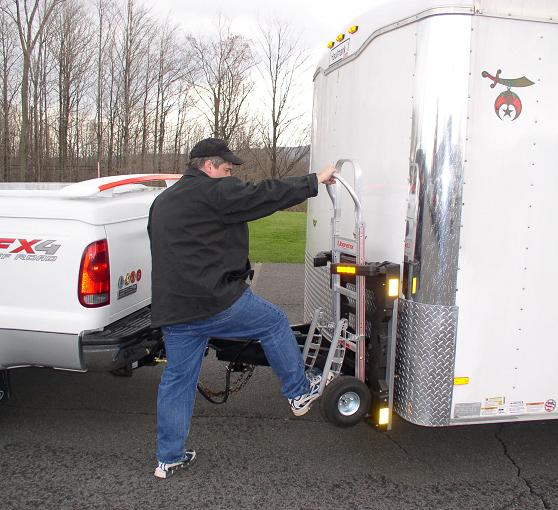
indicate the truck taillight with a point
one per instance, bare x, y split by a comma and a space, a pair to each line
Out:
94, 275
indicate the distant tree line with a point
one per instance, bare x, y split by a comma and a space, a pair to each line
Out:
100, 87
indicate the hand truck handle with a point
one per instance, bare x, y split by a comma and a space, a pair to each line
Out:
348, 187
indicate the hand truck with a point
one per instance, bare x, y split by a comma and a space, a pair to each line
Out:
346, 399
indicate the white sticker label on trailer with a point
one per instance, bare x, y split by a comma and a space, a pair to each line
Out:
467, 410
497, 401
493, 406
339, 52
489, 410
534, 407
517, 407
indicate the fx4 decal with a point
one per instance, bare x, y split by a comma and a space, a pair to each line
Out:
42, 250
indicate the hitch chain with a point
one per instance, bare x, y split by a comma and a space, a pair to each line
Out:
239, 383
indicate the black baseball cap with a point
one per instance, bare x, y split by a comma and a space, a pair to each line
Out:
210, 147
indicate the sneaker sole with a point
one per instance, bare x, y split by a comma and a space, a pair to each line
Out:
306, 408
163, 475
301, 412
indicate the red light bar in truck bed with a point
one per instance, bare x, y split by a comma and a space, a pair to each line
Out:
139, 179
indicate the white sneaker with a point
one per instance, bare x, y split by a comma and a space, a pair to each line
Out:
166, 470
301, 405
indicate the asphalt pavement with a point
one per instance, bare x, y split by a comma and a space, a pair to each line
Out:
83, 441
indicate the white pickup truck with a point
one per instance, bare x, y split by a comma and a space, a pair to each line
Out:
75, 274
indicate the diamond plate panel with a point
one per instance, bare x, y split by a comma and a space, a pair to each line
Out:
317, 292
425, 362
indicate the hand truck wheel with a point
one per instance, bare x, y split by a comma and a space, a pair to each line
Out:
345, 401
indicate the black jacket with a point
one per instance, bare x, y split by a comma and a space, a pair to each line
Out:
199, 240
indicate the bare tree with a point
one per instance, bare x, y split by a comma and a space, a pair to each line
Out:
224, 80
105, 36
133, 48
149, 79
8, 60
38, 92
170, 72
283, 132
188, 129
71, 55
31, 18
112, 106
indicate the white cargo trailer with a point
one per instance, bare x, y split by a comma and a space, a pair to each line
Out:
449, 108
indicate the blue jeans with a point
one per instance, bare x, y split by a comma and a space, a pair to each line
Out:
249, 317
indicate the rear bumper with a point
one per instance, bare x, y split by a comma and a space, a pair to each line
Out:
120, 344
20, 348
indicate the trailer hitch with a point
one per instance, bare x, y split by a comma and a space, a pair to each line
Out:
236, 365
245, 371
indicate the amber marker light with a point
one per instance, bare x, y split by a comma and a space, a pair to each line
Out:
393, 287
353, 29
383, 418
345, 269
340, 37
460, 381
330, 44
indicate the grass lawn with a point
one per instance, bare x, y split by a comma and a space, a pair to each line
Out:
278, 238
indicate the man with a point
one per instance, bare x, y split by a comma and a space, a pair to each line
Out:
199, 247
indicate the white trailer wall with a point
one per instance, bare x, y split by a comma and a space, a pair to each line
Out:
353, 119
506, 339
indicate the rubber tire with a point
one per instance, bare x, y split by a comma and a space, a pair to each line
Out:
334, 391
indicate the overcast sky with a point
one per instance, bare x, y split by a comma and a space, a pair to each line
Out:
320, 20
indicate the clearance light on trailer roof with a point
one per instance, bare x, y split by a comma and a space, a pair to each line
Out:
460, 381
353, 29
383, 418
393, 287
330, 44
340, 37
